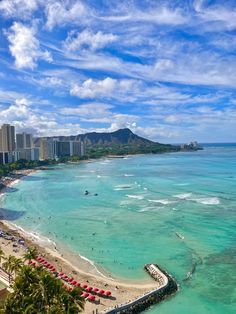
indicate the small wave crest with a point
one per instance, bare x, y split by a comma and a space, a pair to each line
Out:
128, 175
35, 235
183, 196
207, 200
138, 197
149, 209
122, 187
162, 201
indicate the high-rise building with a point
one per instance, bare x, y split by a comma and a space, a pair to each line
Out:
54, 148
48, 149
23, 141
7, 138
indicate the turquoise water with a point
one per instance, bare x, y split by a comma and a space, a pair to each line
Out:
142, 202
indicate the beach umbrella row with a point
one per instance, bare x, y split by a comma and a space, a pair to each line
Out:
72, 281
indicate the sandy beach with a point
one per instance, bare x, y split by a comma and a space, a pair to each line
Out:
76, 267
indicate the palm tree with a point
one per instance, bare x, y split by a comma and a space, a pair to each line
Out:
16, 265
2, 255
8, 265
31, 253
36, 291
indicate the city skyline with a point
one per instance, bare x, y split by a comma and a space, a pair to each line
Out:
164, 69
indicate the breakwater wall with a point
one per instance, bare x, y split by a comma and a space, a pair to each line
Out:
167, 287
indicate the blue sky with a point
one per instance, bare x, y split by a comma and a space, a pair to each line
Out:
165, 69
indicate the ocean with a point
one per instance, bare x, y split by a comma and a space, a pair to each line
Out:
177, 210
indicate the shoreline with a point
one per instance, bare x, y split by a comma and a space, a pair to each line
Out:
78, 266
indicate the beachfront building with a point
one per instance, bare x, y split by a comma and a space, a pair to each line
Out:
7, 138
7, 144
24, 141
54, 148
25, 147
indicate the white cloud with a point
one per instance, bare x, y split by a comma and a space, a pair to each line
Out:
92, 89
24, 116
88, 39
216, 13
60, 13
22, 9
161, 15
25, 47
90, 111
101, 113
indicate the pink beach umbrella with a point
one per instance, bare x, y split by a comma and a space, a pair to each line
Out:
91, 298
101, 291
74, 282
108, 293
78, 284
89, 289
95, 289
84, 286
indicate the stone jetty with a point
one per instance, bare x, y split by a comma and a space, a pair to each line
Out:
167, 286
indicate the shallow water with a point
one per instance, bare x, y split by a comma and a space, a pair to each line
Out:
142, 202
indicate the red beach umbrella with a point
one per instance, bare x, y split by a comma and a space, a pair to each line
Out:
101, 291
89, 289
30, 262
78, 284
85, 286
33, 263
108, 293
74, 282
95, 289
61, 273
86, 295
53, 269
70, 279
91, 298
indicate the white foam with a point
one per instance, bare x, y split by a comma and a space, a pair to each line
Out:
93, 264
162, 201
35, 235
128, 175
207, 200
122, 187
183, 196
182, 184
149, 209
138, 197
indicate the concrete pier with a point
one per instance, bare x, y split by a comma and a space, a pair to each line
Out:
167, 286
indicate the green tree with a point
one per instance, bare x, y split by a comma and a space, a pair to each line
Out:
2, 255
35, 290
31, 253
8, 265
